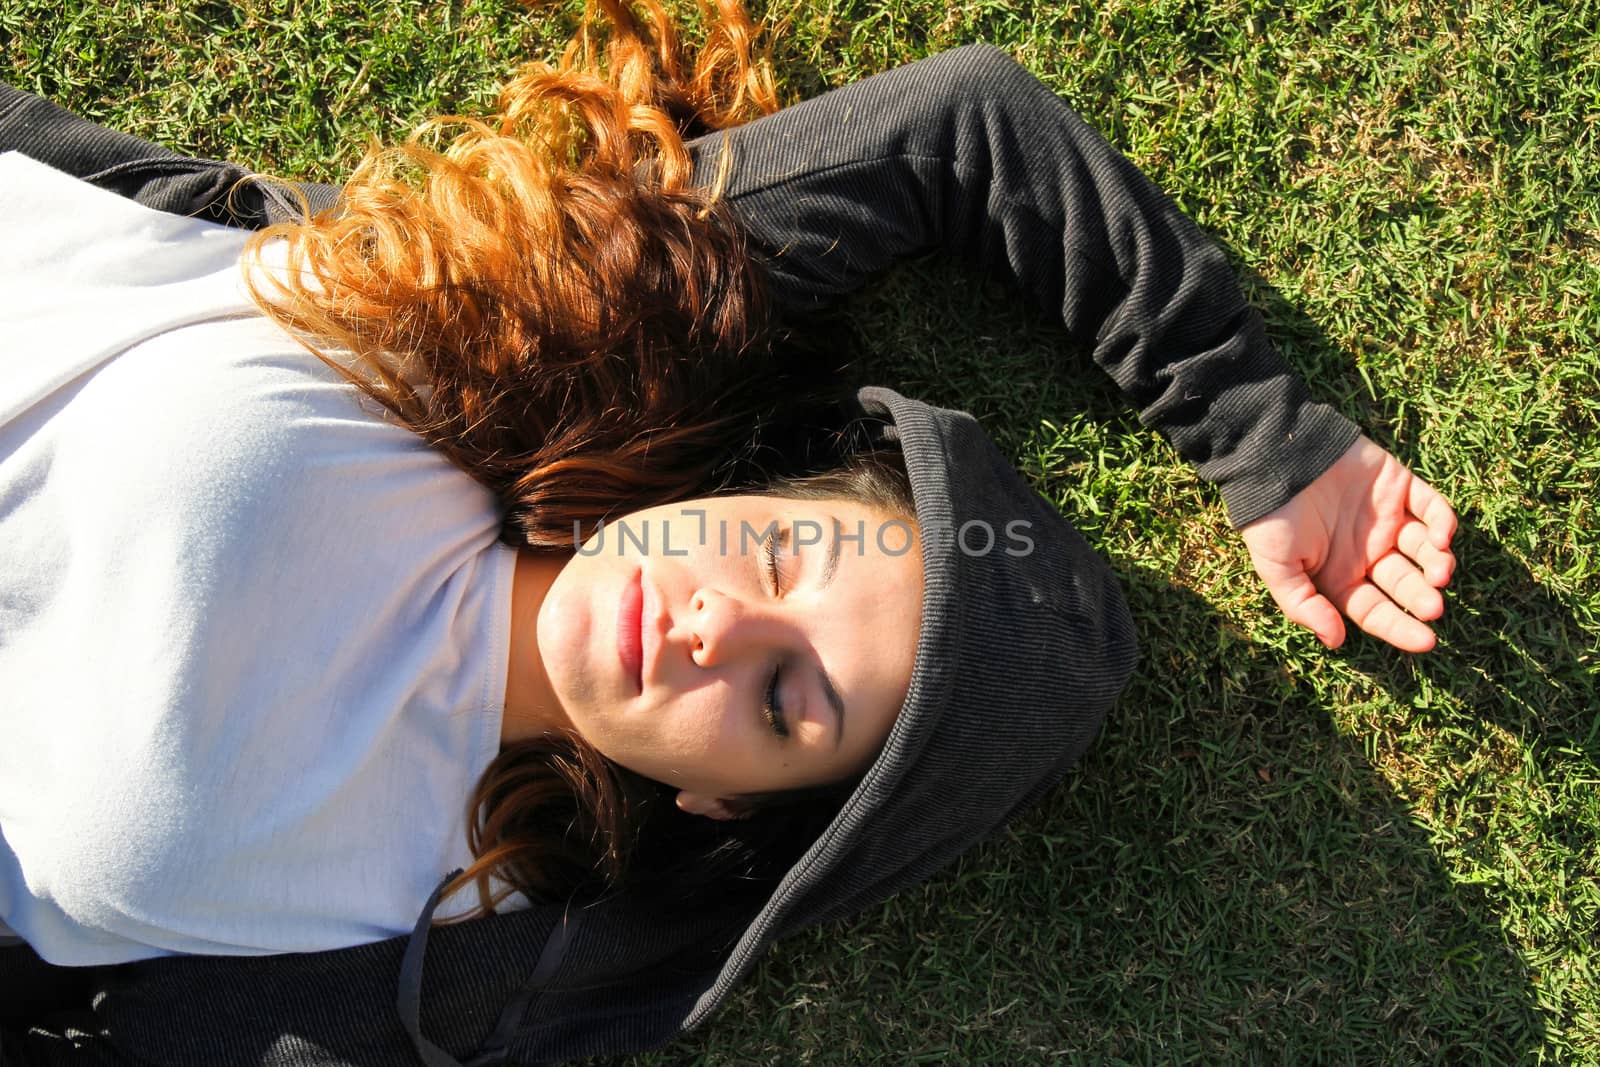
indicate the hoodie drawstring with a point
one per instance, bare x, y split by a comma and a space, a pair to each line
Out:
409, 1000
495, 1049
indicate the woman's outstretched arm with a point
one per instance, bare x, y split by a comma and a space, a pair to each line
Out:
968, 153
154, 176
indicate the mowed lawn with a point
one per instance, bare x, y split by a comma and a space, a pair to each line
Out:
1274, 853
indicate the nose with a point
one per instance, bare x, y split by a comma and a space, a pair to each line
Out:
723, 628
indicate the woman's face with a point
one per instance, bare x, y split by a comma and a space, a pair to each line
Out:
739, 644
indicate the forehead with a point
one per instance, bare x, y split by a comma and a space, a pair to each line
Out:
757, 512
842, 532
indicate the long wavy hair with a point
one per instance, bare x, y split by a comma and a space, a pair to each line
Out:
547, 296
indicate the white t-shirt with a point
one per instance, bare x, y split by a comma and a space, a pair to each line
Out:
253, 635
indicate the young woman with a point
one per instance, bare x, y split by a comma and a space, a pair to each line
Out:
526, 310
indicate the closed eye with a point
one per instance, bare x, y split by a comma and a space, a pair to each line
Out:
769, 554
772, 708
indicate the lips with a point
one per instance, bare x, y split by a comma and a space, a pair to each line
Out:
630, 636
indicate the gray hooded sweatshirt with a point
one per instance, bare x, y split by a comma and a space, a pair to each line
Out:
964, 153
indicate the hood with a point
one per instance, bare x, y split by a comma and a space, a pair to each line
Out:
1025, 642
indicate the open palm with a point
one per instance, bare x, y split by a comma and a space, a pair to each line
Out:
1368, 540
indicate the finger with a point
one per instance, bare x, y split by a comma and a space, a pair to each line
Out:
1400, 579
1429, 505
1379, 616
1303, 605
1437, 565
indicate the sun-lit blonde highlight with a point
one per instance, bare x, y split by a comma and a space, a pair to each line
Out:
543, 293
546, 295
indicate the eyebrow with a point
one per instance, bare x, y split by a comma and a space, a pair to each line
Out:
830, 566
836, 702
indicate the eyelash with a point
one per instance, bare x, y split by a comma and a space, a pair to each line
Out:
771, 710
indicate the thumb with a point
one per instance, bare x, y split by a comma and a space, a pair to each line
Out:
1304, 605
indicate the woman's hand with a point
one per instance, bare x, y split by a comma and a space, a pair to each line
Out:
1368, 539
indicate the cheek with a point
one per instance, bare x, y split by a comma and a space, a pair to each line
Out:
686, 754
563, 634
698, 725
694, 740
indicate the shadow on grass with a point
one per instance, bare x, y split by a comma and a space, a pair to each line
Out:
1509, 651
1227, 878
1512, 656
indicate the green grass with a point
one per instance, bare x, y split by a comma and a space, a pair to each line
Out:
1274, 853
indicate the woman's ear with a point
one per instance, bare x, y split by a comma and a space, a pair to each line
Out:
710, 807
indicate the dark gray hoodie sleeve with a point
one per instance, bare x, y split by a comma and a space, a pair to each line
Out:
156, 177
968, 153
964, 152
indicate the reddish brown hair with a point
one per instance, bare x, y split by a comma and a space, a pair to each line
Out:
548, 299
